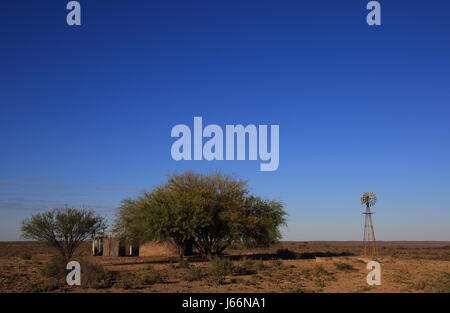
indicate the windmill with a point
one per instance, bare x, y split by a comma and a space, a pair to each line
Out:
370, 246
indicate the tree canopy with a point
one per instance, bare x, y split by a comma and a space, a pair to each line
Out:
209, 211
63, 229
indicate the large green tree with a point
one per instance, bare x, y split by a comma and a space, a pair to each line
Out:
63, 229
209, 211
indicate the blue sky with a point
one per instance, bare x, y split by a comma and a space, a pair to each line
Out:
86, 112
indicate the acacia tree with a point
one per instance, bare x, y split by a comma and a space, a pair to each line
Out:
262, 221
210, 211
63, 229
160, 215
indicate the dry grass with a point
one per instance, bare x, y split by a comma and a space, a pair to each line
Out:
285, 267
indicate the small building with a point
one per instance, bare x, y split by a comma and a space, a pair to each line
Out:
113, 247
108, 245
154, 248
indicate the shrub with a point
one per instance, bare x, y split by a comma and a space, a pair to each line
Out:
319, 271
55, 268
247, 267
43, 286
192, 273
152, 276
402, 276
435, 285
63, 229
320, 283
128, 281
95, 276
307, 273
30, 287
92, 276
220, 266
50, 285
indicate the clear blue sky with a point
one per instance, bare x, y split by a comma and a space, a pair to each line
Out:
86, 112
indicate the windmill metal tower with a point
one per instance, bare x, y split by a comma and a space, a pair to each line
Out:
369, 241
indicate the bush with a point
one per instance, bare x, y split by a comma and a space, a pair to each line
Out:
55, 268
50, 285
247, 267
152, 276
30, 288
306, 273
92, 276
128, 281
191, 274
220, 266
95, 276
320, 283
319, 271
64, 229
436, 285
43, 286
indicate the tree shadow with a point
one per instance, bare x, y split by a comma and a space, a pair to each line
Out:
289, 255
174, 260
282, 254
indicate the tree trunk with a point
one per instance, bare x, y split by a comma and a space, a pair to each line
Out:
180, 251
188, 247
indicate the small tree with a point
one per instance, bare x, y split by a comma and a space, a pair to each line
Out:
63, 229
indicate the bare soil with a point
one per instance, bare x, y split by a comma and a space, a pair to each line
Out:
286, 267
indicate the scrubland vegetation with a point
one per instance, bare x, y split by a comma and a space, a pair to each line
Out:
297, 267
